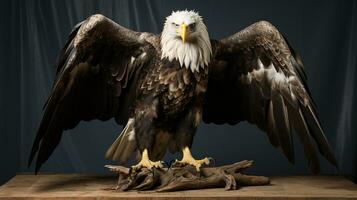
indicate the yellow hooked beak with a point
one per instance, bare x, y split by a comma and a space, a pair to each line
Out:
183, 32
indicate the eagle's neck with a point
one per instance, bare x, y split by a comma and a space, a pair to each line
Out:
193, 55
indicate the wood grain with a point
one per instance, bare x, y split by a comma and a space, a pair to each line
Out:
79, 186
186, 177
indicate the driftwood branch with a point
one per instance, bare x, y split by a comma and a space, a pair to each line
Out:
187, 178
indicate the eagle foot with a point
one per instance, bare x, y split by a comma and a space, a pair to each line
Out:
188, 159
145, 162
191, 161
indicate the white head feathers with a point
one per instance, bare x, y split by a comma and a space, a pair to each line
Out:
192, 52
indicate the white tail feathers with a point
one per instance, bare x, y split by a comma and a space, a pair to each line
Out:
124, 145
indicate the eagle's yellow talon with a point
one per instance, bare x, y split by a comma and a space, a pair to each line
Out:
187, 159
145, 162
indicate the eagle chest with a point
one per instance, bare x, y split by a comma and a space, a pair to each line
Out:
180, 87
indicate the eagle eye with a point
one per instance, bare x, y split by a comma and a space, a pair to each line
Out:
173, 23
192, 26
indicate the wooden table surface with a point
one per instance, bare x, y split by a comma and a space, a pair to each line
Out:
77, 186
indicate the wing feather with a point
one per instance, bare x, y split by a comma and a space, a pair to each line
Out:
300, 125
282, 126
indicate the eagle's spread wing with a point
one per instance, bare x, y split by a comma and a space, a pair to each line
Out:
98, 63
256, 76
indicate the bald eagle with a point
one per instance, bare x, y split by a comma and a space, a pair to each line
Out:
160, 87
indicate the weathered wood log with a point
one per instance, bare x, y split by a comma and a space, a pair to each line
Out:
187, 178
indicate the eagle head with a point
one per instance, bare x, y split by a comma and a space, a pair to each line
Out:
186, 39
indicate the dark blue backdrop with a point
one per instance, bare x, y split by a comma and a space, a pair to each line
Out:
33, 31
